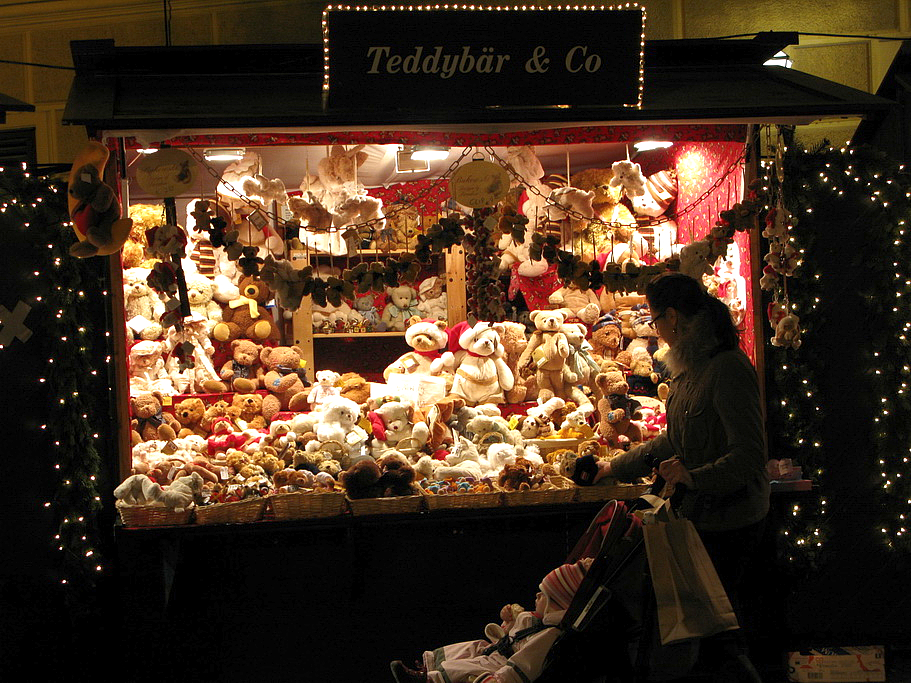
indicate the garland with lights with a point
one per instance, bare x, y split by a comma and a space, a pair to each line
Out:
58, 297
858, 199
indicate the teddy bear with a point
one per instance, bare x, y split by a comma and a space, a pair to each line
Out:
281, 365
138, 489
606, 336
694, 260
614, 221
244, 371
190, 362
402, 225
628, 175
147, 369
338, 171
428, 338
201, 292
325, 388
575, 424
476, 355
247, 316
365, 305
394, 427
617, 410
183, 492
142, 305
392, 475
433, 300
642, 375
578, 304
514, 342
537, 421
546, 352
249, 410
218, 410
93, 205
519, 254
354, 387
337, 419
787, 332
189, 414
569, 199
149, 421
402, 305
580, 368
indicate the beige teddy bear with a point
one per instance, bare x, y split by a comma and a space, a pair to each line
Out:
547, 351
577, 304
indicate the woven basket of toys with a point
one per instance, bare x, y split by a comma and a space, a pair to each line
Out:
599, 492
554, 489
462, 497
152, 515
236, 512
392, 505
307, 504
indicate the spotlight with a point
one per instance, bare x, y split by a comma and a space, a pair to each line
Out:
429, 153
646, 145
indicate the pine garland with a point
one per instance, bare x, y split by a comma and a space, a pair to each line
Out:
65, 294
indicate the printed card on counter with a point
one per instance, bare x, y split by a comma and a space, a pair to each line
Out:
422, 390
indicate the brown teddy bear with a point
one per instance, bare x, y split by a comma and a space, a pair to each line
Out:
247, 317
217, 410
243, 372
606, 339
354, 387
281, 364
514, 341
189, 413
547, 351
607, 207
250, 410
617, 410
149, 421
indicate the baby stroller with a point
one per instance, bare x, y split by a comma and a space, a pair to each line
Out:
610, 631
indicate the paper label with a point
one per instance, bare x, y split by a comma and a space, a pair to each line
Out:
169, 447
138, 323
422, 390
223, 473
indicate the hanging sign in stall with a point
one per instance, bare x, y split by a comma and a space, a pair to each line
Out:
421, 57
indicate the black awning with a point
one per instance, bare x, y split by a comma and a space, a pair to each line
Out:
259, 86
8, 103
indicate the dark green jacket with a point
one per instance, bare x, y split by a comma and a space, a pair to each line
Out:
714, 425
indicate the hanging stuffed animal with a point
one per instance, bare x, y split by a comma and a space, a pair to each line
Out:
628, 175
787, 332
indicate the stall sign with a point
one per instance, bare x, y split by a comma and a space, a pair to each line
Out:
421, 58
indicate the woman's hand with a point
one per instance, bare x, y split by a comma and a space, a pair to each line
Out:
674, 472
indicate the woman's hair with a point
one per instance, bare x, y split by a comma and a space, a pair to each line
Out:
687, 297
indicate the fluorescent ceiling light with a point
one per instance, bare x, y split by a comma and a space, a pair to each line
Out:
429, 153
224, 154
406, 163
147, 150
646, 145
781, 58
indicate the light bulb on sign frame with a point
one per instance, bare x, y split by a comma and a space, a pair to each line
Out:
780, 58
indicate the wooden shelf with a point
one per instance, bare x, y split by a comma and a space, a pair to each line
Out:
337, 335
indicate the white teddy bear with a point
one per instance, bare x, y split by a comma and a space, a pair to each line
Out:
201, 294
142, 304
481, 374
537, 422
628, 175
337, 419
565, 199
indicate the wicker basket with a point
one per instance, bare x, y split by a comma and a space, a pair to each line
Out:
238, 512
563, 491
591, 494
463, 501
393, 505
546, 446
152, 515
307, 504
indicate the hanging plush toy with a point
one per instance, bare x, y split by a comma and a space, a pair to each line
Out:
93, 206
628, 175
787, 332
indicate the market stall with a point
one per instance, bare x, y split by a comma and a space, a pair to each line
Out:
312, 292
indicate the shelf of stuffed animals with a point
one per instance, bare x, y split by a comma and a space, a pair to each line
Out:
440, 293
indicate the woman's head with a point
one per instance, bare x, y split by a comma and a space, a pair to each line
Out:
680, 307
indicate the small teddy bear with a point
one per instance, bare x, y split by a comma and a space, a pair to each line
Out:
394, 427
282, 378
147, 369
149, 421
577, 304
247, 316
402, 306
476, 353
365, 305
617, 410
628, 175
244, 372
428, 338
546, 353
201, 293
189, 414
433, 300
537, 422
324, 389
143, 307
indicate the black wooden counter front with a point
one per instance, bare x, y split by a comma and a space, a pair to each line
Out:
336, 599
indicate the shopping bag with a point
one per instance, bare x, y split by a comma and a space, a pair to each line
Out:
691, 601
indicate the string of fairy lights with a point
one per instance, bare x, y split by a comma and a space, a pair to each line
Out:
856, 198
60, 296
